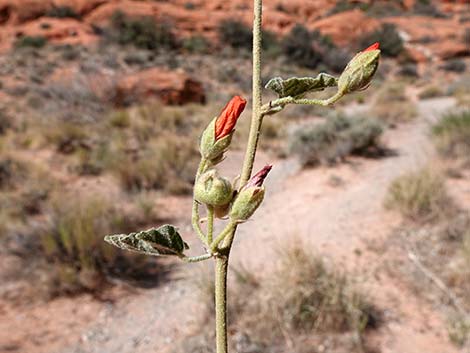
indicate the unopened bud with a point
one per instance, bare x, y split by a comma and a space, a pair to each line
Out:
213, 190
360, 70
250, 197
217, 136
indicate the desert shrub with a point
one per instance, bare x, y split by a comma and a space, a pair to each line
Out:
238, 35
67, 137
460, 89
120, 119
73, 242
427, 8
196, 44
303, 298
167, 163
452, 135
310, 49
12, 172
344, 5
142, 32
235, 34
5, 122
419, 195
336, 138
431, 91
454, 65
393, 105
62, 12
306, 295
466, 35
391, 43
31, 42
409, 70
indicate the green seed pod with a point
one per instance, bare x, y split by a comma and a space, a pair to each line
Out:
246, 203
213, 190
360, 70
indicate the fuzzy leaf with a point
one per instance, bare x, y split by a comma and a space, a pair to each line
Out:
164, 240
297, 87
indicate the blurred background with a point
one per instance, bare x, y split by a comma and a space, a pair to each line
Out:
363, 241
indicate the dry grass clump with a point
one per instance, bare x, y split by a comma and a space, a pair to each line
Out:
460, 89
72, 243
156, 148
419, 195
24, 187
431, 91
392, 105
291, 309
336, 138
452, 135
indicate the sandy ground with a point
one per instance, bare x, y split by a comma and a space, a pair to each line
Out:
336, 211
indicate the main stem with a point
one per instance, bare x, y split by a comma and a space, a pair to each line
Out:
221, 266
257, 117
221, 261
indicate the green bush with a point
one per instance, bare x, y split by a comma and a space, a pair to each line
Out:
62, 12
387, 35
235, 34
141, 32
431, 91
452, 135
334, 139
196, 44
31, 42
311, 49
427, 8
454, 65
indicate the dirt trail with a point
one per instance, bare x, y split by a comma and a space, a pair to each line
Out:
336, 211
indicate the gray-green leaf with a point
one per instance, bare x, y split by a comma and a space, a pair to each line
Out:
297, 87
164, 240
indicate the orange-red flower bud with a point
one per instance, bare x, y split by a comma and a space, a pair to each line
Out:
227, 119
374, 46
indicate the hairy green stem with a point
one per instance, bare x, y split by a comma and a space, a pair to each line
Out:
221, 266
195, 218
229, 228
196, 258
282, 102
210, 224
221, 262
257, 117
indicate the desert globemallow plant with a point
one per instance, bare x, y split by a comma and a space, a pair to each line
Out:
231, 203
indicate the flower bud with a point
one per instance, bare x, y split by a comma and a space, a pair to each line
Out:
360, 70
217, 136
250, 196
213, 190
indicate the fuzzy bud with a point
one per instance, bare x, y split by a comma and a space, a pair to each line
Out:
250, 196
360, 70
213, 190
217, 136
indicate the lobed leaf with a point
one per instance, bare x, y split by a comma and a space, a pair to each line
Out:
164, 240
297, 87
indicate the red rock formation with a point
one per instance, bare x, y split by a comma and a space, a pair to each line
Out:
345, 27
171, 87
